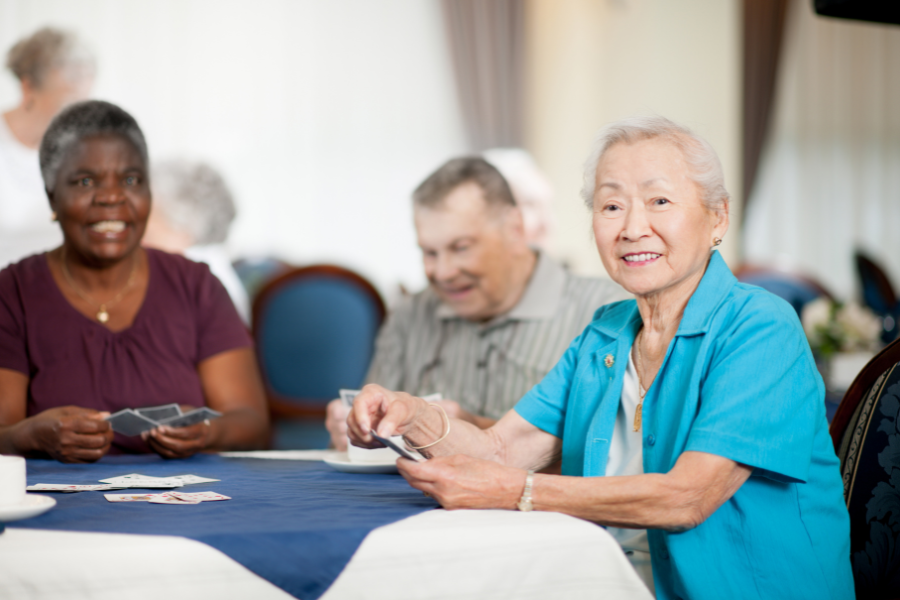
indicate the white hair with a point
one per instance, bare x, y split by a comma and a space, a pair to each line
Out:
703, 164
194, 199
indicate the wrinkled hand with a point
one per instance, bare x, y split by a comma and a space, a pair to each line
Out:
179, 442
464, 482
71, 434
389, 413
336, 424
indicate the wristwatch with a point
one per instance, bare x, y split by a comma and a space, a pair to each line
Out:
525, 504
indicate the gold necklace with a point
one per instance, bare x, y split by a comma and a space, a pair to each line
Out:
639, 367
103, 312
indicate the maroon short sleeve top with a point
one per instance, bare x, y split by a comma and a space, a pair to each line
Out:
186, 317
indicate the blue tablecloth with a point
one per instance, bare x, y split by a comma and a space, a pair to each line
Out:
295, 523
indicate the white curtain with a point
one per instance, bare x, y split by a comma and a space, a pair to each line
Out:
829, 180
323, 115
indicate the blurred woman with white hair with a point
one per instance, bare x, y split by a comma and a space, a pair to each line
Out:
192, 212
54, 70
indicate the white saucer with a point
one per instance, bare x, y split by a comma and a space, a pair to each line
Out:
341, 462
32, 506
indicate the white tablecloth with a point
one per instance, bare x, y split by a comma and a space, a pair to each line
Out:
434, 555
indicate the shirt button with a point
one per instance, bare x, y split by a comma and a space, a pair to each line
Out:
664, 553
651, 439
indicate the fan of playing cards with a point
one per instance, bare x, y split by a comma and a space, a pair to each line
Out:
138, 420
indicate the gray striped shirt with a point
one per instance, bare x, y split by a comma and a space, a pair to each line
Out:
424, 348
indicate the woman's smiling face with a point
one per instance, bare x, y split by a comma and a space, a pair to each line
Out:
652, 229
102, 198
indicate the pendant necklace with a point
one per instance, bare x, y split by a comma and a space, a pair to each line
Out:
639, 367
103, 307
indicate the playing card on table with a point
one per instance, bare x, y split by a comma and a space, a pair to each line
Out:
191, 418
158, 413
169, 498
128, 422
192, 479
65, 487
198, 496
128, 497
136, 480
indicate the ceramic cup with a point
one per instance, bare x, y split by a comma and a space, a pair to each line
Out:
12, 480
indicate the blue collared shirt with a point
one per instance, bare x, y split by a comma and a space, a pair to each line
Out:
738, 381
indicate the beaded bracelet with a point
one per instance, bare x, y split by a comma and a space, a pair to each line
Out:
444, 419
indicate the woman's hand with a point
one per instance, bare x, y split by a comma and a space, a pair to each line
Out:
68, 434
336, 424
463, 482
389, 413
179, 442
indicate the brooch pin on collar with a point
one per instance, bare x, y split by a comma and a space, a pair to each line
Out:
608, 360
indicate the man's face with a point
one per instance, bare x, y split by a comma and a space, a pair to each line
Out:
468, 249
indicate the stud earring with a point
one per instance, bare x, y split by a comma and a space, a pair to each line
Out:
717, 241
53, 216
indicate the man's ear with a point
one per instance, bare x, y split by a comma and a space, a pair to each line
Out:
513, 221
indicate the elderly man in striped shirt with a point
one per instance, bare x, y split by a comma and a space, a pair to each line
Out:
497, 314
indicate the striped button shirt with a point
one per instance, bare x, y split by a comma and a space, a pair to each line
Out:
424, 348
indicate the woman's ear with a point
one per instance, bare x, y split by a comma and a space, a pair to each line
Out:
722, 220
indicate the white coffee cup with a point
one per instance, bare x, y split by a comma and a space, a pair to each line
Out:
12, 480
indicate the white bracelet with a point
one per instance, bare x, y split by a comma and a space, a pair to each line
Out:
445, 418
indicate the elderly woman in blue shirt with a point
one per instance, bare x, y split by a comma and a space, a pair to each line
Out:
690, 421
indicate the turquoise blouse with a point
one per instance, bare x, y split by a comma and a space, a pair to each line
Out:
738, 381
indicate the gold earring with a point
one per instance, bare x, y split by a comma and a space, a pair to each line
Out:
717, 241
53, 216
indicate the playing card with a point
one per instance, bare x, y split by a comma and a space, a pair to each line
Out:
397, 448
136, 480
198, 496
192, 479
158, 413
347, 397
65, 487
128, 422
433, 397
129, 497
170, 499
192, 418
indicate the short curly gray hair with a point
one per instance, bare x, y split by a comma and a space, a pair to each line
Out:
194, 199
81, 120
704, 165
32, 58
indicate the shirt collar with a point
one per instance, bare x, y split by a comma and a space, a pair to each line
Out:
624, 318
541, 298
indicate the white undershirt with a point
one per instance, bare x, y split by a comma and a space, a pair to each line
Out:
626, 457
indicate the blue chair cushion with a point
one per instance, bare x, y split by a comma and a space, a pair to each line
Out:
315, 336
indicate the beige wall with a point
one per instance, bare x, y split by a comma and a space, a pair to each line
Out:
593, 61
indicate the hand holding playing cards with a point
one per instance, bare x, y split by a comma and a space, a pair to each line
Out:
179, 442
69, 434
336, 424
464, 482
390, 413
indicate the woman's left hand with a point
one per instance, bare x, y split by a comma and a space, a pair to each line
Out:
179, 442
464, 482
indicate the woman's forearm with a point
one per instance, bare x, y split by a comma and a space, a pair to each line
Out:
678, 500
239, 429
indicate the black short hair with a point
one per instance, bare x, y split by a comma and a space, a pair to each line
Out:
457, 171
78, 121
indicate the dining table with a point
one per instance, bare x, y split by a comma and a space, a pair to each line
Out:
295, 527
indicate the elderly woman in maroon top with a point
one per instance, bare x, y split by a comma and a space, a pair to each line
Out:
100, 324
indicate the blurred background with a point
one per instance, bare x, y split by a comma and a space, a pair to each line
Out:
322, 116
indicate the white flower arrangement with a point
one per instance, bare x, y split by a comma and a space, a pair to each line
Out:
833, 327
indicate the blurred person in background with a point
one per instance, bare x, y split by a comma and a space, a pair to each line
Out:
531, 189
497, 314
192, 212
54, 69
